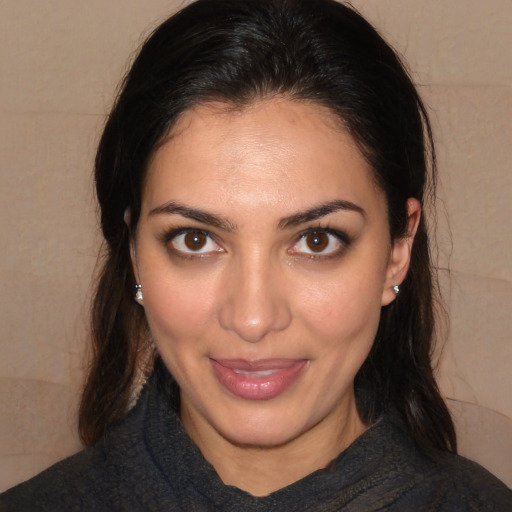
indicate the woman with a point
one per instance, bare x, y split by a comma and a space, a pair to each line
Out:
261, 179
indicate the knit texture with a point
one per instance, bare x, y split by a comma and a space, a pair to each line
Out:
149, 463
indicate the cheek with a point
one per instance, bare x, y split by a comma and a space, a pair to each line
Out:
344, 308
177, 307
179, 318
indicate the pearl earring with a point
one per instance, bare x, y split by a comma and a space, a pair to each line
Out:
138, 293
396, 289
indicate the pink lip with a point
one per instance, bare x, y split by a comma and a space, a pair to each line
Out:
257, 380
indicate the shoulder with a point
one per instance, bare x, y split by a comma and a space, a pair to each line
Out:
450, 482
477, 486
407, 476
76, 483
86, 481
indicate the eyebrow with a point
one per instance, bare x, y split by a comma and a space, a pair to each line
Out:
317, 212
172, 207
320, 211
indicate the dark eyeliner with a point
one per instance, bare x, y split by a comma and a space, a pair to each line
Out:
345, 239
169, 235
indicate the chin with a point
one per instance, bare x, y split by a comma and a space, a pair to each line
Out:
263, 429
259, 438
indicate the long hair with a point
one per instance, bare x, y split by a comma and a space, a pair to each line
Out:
238, 51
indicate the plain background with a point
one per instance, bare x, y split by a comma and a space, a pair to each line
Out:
60, 63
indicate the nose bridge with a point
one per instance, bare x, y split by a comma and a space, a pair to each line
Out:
254, 303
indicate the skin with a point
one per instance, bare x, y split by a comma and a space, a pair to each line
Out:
257, 287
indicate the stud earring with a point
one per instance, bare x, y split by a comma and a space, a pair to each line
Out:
138, 293
396, 289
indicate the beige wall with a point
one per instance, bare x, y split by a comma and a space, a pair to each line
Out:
60, 63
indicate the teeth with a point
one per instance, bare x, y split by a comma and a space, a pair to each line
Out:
256, 374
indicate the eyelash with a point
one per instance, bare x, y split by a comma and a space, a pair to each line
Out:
341, 237
170, 236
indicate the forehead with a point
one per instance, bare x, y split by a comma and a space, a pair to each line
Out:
272, 152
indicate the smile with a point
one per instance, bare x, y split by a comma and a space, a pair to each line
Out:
257, 380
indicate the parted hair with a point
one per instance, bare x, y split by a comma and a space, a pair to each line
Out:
239, 51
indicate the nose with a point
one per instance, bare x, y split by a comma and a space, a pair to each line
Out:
255, 301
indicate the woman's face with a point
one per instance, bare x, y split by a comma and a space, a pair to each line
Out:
264, 255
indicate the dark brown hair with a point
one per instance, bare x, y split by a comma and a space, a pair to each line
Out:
237, 51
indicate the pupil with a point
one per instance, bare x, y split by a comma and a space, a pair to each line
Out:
317, 241
195, 241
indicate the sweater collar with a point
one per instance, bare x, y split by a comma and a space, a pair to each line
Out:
190, 475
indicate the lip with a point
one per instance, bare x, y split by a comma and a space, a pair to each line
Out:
257, 380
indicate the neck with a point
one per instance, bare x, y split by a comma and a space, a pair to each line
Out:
261, 470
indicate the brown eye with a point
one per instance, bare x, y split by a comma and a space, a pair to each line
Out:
320, 243
192, 242
195, 240
317, 242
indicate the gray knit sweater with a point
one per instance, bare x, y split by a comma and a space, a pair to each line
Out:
148, 463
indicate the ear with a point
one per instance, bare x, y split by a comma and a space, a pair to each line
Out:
400, 255
133, 255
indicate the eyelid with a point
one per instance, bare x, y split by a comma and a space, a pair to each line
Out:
342, 237
171, 235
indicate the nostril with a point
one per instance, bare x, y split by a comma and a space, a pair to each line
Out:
252, 322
